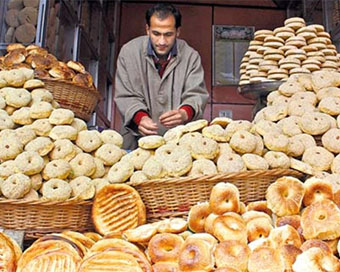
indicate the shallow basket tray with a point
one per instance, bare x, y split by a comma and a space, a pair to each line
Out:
37, 218
174, 197
81, 100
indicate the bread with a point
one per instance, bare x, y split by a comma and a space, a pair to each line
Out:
110, 198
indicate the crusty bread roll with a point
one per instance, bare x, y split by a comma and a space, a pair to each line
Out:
260, 206
165, 247
321, 220
258, 228
230, 226
196, 255
75, 65
288, 254
232, 253
284, 197
224, 197
315, 243
317, 189
209, 223
285, 235
84, 79
61, 72
127, 203
314, 260
14, 46
197, 216
265, 259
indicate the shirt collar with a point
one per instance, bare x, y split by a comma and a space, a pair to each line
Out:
152, 53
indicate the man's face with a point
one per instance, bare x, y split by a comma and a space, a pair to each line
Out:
162, 34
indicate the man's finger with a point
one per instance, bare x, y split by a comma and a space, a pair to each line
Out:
172, 118
144, 131
172, 123
167, 114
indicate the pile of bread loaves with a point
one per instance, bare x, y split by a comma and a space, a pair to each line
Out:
44, 149
21, 20
289, 50
271, 235
297, 229
45, 65
299, 129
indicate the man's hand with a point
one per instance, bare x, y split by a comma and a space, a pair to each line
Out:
147, 126
173, 118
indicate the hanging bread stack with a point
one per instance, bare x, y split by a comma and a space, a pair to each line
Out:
45, 65
21, 20
46, 152
289, 50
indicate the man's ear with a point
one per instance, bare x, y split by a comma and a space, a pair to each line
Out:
147, 29
178, 31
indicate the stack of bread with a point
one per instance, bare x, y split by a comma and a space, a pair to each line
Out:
289, 50
302, 120
21, 20
45, 65
44, 149
297, 228
299, 129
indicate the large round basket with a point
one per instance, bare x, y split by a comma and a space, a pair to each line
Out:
37, 218
174, 197
81, 100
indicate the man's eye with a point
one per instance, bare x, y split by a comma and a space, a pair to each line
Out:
156, 33
168, 34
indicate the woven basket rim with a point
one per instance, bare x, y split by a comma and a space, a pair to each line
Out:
220, 176
73, 201
93, 90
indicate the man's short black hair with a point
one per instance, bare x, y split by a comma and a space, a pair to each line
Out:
162, 11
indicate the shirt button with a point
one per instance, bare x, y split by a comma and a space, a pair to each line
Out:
162, 99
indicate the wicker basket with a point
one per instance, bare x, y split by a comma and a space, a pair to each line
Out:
174, 197
81, 100
38, 218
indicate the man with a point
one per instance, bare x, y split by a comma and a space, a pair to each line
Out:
159, 79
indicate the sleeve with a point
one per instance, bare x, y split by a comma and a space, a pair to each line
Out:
129, 101
195, 93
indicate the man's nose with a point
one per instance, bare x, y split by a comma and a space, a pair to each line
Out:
162, 39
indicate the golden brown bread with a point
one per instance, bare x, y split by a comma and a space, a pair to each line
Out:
265, 259
260, 206
317, 189
13, 58
288, 254
230, 226
84, 79
117, 207
197, 216
321, 220
14, 46
110, 261
232, 253
284, 197
224, 197
315, 243
165, 267
48, 252
165, 247
8, 255
196, 255
61, 72
75, 65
